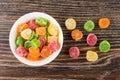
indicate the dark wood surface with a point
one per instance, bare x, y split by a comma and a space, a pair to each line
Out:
64, 67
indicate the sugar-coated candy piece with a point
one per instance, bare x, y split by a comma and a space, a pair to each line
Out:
89, 25
104, 46
35, 43
91, 56
45, 52
27, 44
32, 25
32, 58
33, 35
104, 23
74, 52
42, 41
53, 46
53, 29
26, 33
41, 31
22, 27
41, 21
21, 51
34, 52
52, 38
70, 24
91, 39
19, 41
76, 34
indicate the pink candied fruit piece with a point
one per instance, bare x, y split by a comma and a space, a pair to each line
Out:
53, 46
91, 39
32, 25
21, 51
74, 52
42, 42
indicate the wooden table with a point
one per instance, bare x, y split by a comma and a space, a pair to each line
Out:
64, 67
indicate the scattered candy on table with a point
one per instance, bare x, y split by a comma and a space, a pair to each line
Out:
91, 39
89, 26
104, 23
70, 24
74, 52
76, 34
37, 38
104, 46
91, 56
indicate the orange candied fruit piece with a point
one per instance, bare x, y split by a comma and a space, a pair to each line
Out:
104, 23
34, 51
45, 52
32, 58
76, 34
22, 27
40, 30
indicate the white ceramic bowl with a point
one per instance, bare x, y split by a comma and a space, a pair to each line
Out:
13, 33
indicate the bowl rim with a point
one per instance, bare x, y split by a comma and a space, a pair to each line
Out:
12, 37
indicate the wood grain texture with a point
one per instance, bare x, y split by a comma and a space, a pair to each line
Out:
64, 67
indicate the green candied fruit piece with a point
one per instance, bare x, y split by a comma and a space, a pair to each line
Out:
104, 46
89, 26
33, 35
35, 43
47, 25
27, 44
41, 21
19, 41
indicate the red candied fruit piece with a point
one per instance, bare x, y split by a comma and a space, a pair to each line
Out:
91, 39
32, 25
21, 51
74, 52
42, 42
53, 46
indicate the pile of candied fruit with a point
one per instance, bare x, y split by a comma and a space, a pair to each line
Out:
38, 38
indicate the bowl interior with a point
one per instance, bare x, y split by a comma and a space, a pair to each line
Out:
13, 33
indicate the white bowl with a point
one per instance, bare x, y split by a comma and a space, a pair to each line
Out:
13, 33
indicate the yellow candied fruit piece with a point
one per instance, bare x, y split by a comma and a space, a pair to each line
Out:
70, 24
53, 29
26, 33
91, 56
52, 38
